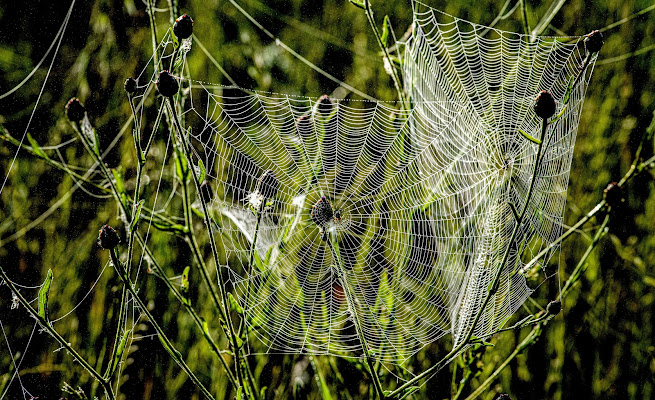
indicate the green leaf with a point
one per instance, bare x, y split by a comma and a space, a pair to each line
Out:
385, 31
358, 3
168, 227
529, 137
43, 297
118, 177
181, 165
262, 392
203, 171
234, 304
35, 147
569, 88
137, 215
184, 290
240, 393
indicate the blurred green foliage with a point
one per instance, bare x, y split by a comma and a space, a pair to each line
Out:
600, 347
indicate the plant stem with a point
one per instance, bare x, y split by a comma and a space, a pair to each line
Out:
45, 324
394, 73
432, 371
250, 265
224, 311
524, 12
353, 312
177, 356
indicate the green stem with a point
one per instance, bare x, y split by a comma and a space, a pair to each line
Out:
394, 73
175, 354
353, 312
524, 12
432, 371
224, 311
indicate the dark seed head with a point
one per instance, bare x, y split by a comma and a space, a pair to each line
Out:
130, 85
503, 396
304, 126
183, 27
554, 307
206, 192
324, 104
108, 237
594, 41
613, 194
167, 84
544, 104
75, 110
268, 185
322, 212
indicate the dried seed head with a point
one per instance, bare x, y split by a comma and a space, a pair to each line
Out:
167, 84
544, 104
594, 41
75, 110
324, 104
183, 27
322, 212
304, 126
130, 85
206, 192
554, 307
108, 237
503, 396
613, 194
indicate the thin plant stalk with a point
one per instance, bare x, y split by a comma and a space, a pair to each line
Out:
177, 356
430, 372
225, 311
353, 312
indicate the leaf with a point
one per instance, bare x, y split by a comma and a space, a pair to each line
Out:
358, 3
35, 147
240, 393
43, 297
181, 165
385, 31
262, 392
185, 285
168, 227
569, 88
234, 304
203, 171
137, 214
529, 137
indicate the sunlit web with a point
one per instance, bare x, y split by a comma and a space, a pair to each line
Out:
421, 197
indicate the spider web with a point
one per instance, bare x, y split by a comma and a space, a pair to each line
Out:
421, 196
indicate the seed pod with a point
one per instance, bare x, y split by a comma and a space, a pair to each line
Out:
322, 212
206, 192
75, 110
130, 85
304, 126
183, 27
167, 84
594, 41
613, 194
554, 307
268, 185
544, 104
324, 104
108, 237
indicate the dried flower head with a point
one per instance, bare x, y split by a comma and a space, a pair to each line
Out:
324, 104
130, 85
183, 27
613, 194
268, 185
108, 237
167, 84
75, 110
206, 192
554, 307
544, 104
322, 212
594, 41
